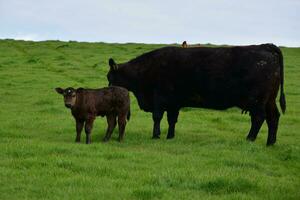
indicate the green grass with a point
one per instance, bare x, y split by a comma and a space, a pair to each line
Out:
208, 159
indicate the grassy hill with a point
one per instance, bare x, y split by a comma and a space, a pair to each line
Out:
208, 159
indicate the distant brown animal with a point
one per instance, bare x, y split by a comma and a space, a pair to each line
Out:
184, 44
86, 104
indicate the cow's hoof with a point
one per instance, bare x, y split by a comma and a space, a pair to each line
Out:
155, 137
251, 139
270, 143
170, 137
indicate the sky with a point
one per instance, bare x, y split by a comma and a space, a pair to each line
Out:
235, 22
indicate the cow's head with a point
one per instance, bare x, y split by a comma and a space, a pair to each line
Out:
115, 76
70, 95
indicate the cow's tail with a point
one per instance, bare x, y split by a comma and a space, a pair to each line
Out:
282, 96
282, 101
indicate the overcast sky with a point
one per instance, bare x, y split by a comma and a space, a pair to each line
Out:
153, 21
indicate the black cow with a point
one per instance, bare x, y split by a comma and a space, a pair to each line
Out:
170, 78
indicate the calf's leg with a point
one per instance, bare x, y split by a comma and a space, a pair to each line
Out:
88, 129
257, 119
111, 124
79, 126
172, 119
272, 118
122, 125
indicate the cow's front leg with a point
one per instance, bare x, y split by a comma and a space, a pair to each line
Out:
157, 116
88, 129
79, 126
172, 119
157, 113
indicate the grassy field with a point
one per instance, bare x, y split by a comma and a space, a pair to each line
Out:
208, 159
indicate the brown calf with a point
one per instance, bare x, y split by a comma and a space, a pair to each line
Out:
86, 104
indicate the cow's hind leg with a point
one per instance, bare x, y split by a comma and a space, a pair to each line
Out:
257, 119
111, 124
272, 118
172, 119
122, 125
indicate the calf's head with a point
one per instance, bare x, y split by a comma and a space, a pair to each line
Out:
70, 95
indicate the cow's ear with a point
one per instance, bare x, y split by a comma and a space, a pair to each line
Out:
112, 64
59, 90
79, 90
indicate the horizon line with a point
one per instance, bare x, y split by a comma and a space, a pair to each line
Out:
130, 42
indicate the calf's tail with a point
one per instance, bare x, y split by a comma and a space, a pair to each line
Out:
128, 114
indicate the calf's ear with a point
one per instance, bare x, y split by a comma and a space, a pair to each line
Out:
113, 65
59, 90
79, 89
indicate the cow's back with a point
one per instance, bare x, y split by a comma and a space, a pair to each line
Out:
207, 77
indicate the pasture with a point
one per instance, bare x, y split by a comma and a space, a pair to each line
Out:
208, 159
